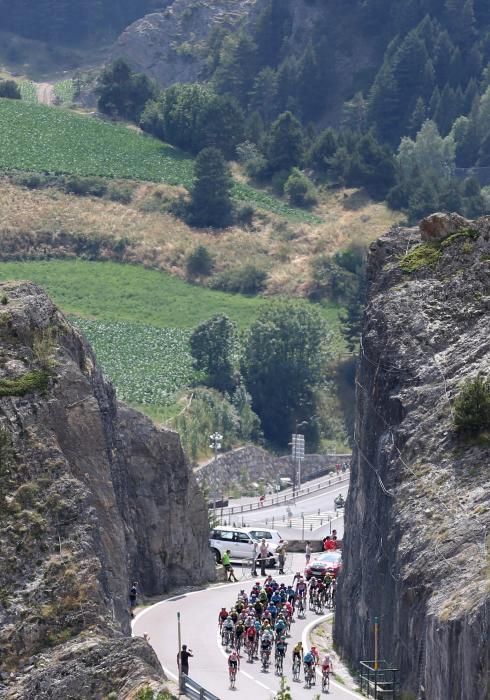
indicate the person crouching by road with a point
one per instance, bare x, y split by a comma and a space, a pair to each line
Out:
230, 574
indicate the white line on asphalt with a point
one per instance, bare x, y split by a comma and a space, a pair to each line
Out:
247, 675
305, 639
262, 685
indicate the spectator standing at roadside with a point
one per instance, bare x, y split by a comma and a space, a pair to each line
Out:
183, 659
281, 555
264, 555
255, 554
308, 553
133, 594
228, 567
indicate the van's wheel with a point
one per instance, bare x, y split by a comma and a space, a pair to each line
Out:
217, 555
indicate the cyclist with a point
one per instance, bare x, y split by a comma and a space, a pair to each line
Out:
316, 655
266, 643
291, 595
280, 625
259, 609
326, 665
223, 614
234, 615
239, 632
301, 587
276, 598
273, 610
281, 647
313, 585
309, 663
298, 651
263, 596
233, 663
229, 626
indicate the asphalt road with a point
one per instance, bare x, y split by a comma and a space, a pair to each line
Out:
310, 505
199, 614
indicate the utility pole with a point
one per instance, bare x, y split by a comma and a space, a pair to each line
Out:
298, 453
215, 445
179, 664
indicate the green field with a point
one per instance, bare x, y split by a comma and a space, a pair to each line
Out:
65, 90
148, 365
43, 139
115, 292
139, 321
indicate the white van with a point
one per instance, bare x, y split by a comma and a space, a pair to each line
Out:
239, 542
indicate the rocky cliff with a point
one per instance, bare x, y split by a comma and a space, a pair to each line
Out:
170, 45
417, 515
92, 497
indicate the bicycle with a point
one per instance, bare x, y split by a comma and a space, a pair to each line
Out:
301, 608
310, 675
318, 606
265, 653
325, 681
232, 672
250, 650
227, 638
296, 669
279, 664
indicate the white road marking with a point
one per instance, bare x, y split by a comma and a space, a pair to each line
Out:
262, 685
247, 675
305, 639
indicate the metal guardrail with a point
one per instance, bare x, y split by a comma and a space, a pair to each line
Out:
285, 498
194, 690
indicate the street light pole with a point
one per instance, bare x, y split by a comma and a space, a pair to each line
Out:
179, 663
215, 445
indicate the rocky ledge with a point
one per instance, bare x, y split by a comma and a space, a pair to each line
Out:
418, 515
92, 497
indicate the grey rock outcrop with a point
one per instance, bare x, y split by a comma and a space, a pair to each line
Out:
92, 497
417, 515
168, 45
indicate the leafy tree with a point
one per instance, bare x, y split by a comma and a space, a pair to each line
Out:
122, 93
199, 262
472, 406
283, 364
9, 89
285, 147
221, 124
322, 150
213, 347
182, 108
211, 203
299, 189
418, 117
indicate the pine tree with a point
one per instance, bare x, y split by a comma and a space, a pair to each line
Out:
211, 203
445, 113
263, 96
434, 102
419, 115
285, 147
443, 52
273, 25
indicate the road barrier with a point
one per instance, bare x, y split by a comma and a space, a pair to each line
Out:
194, 690
285, 498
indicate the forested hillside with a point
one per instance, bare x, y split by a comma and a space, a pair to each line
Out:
67, 21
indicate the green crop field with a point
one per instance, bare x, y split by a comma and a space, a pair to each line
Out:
38, 138
65, 90
111, 291
139, 321
28, 91
148, 365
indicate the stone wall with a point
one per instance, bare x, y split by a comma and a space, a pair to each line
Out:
238, 468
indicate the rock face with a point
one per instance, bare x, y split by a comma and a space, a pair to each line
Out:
92, 497
168, 45
417, 514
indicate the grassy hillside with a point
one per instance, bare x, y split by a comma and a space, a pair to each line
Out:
41, 221
139, 322
42, 139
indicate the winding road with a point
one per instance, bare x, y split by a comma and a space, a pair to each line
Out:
199, 614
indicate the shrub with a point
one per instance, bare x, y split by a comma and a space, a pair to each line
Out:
199, 262
36, 380
472, 406
10, 89
299, 190
119, 193
86, 186
245, 280
244, 215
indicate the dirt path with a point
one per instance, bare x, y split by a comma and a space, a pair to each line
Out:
45, 93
